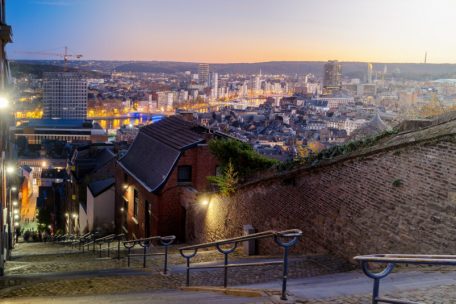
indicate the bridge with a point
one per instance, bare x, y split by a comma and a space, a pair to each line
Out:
153, 116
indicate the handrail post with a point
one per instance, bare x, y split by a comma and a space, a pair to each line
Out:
225, 279
129, 250
285, 274
93, 244
375, 291
187, 283
166, 260
101, 244
109, 243
146, 243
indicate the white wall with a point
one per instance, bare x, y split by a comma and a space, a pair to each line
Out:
100, 210
83, 223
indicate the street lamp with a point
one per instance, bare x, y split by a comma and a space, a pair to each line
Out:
4, 102
9, 169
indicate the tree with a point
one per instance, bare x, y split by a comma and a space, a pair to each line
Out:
227, 182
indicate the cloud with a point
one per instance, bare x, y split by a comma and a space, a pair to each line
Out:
52, 2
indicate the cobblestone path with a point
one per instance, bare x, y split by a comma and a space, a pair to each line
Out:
52, 270
52, 273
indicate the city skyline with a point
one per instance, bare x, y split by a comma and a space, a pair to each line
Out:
235, 31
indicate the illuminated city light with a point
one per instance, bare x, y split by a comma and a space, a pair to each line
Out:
4, 103
14, 203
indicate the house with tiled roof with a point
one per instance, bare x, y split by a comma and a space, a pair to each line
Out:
166, 159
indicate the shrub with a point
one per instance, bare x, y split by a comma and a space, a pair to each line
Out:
245, 160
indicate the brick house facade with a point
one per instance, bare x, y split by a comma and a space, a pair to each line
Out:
166, 159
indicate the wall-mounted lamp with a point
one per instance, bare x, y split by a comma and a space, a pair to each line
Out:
205, 198
9, 169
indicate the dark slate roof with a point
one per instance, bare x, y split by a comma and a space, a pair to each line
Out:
98, 187
175, 132
104, 157
157, 148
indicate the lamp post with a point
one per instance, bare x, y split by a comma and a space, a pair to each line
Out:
8, 220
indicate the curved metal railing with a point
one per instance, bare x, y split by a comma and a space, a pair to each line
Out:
145, 243
279, 237
391, 260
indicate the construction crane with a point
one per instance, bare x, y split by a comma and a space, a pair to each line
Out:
66, 57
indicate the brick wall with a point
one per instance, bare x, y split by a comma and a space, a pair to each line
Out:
399, 199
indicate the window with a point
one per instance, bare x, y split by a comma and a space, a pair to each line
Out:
135, 203
218, 171
184, 174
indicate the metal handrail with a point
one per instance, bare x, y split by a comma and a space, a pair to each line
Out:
145, 243
105, 240
278, 236
391, 260
254, 236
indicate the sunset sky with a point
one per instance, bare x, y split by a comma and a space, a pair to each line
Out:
236, 30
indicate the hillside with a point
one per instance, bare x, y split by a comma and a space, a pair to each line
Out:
19, 69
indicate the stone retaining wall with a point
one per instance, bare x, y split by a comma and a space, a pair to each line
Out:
400, 199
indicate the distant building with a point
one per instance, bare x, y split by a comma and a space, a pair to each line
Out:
127, 133
214, 85
65, 96
332, 75
336, 101
353, 124
369, 72
69, 130
203, 73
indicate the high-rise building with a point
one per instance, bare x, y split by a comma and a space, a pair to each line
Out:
214, 85
203, 73
332, 78
65, 95
369, 73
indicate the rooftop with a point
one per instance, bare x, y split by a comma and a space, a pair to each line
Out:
60, 123
158, 147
